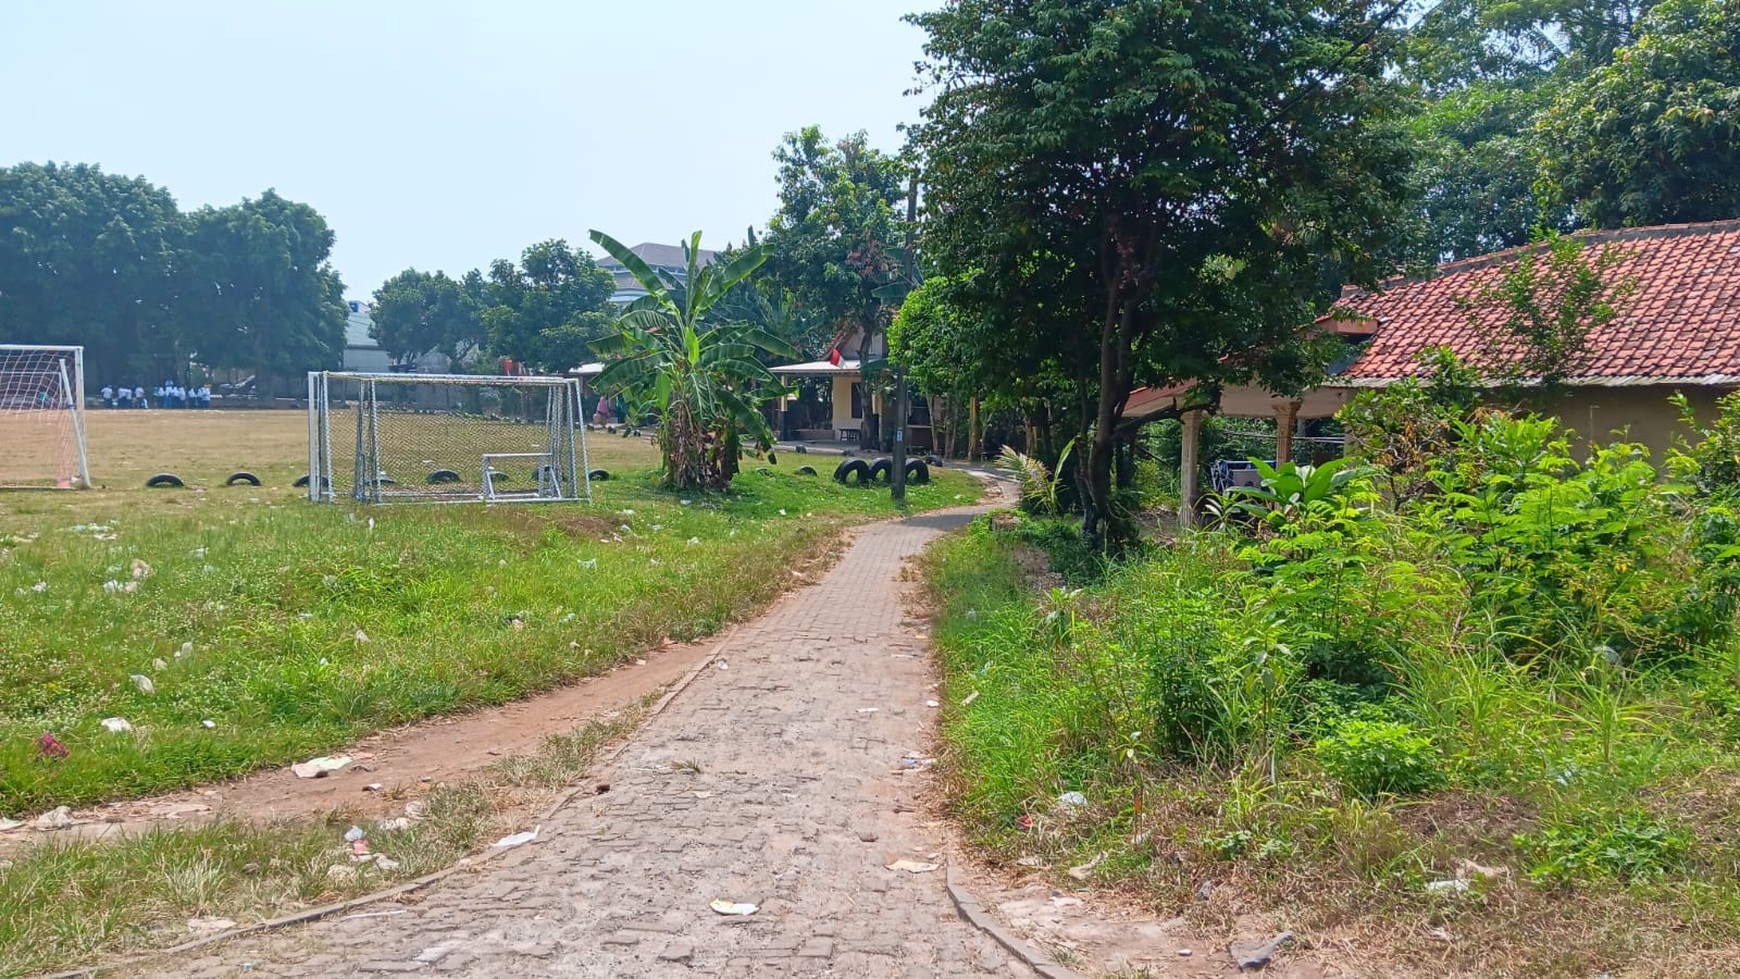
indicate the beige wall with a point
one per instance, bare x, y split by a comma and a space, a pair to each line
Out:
1644, 412
842, 395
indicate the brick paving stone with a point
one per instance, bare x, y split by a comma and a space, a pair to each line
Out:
759, 783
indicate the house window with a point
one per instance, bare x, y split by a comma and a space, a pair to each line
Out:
857, 400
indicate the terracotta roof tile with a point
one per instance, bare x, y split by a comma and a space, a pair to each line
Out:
1681, 324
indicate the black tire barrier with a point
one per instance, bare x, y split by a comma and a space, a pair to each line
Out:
385, 480
599, 475
500, 477
242, 476
165, 480
800, 450
763, 471
301, 481
440, 476
806, 470
917, 472
933, 460
852, 471
771, 459
881, 469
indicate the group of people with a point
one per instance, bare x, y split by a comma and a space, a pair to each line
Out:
166, 395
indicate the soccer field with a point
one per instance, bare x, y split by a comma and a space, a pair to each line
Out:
205, 447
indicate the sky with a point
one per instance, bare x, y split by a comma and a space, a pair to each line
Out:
442, 135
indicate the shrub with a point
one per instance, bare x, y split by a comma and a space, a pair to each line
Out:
1629, 846
1373, 757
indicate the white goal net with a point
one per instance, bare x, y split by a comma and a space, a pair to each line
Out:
433, 438
42, 417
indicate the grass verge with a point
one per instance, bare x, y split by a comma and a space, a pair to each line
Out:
62, 904
1482, 818
231, 632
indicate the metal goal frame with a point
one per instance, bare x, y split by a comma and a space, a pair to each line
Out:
357, 420
71, 370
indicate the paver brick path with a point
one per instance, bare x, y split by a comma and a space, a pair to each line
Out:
799, 804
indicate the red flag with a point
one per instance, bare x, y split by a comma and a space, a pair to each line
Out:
834, 356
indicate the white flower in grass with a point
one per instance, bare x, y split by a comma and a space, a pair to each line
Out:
39, 587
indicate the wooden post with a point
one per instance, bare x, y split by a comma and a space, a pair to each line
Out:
1286, 419
1187, 464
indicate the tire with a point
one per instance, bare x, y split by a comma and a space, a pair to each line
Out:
440, 476
881, 469
242, 477
806, 470
771, 459
917, 472
933, 460
599, 475
800, 450
301, 481
851, 471
166, 481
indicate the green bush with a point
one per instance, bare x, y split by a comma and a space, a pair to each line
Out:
1629, 846
1373, 757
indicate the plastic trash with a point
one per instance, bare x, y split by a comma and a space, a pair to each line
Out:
50, 746
970, 698
932, 703
733, 907
208, 724
519, 839
118, 725
10, 824
912, 866
319, 767
158, 664
1457, 886
1072, 800
362, 636
60, 817
185, 650
143, 682
354, 833
868, 710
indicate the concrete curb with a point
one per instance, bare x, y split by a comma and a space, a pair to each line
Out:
974, 914
466, 863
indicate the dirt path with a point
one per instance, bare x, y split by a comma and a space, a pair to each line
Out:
405, 762
777, 779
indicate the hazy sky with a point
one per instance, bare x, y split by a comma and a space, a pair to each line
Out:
442, 135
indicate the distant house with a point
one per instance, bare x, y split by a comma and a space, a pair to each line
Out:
845, 399
662, 258
1678, 332
362, 352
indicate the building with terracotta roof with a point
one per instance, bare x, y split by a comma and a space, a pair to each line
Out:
1677, 331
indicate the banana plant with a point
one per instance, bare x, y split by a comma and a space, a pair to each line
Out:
702, 378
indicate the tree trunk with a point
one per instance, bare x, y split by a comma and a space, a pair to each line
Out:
1099, 523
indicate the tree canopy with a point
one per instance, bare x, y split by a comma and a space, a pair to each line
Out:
111, 263
541, 312
1196, 181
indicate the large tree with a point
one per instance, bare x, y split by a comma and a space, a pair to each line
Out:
1202, 176
544, 311
258, 292
1654, 136
421, 312
834, 241
91, 258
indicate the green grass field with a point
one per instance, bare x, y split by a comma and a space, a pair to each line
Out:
239, 627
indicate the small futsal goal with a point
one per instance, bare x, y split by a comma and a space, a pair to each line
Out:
445, 438
42, 417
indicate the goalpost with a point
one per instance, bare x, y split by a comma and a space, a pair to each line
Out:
42, 417
445, 438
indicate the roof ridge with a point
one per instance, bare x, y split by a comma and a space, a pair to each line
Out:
1474, 263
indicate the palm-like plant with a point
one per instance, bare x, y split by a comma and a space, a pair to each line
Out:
703, 378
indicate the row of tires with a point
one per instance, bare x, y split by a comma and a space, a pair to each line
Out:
436, 478
857, 472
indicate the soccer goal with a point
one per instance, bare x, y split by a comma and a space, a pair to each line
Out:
42, 417
445, 438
